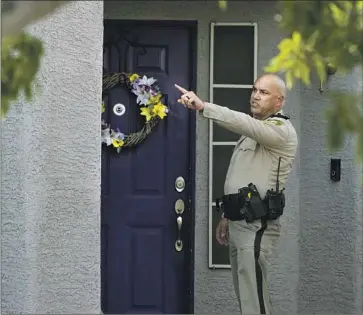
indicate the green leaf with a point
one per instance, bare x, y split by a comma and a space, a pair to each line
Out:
289, 79
345, 118
319, 67
340, 17
4, 106
310, 43
20, 60
222, 4
325, 32
349, 109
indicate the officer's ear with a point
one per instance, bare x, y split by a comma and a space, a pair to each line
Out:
281, 100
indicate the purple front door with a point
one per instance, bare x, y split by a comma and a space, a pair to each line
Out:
142, 272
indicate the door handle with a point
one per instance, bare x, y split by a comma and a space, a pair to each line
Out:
179, 242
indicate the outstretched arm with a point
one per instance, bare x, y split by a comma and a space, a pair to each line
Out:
271, 132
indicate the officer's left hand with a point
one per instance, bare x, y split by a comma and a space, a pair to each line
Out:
222, 232
189, 99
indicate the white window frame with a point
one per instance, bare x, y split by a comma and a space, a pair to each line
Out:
212, 143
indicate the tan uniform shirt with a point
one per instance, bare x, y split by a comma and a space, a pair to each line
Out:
256, 154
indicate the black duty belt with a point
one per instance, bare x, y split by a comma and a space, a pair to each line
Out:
248, 205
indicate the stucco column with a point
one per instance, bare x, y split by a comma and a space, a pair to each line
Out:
50, 173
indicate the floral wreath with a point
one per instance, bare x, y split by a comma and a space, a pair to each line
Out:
149, 100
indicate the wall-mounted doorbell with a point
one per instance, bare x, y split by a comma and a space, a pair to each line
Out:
335, 169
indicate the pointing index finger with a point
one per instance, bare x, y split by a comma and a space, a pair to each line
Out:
181, 89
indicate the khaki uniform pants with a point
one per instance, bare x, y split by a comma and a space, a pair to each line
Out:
250, 245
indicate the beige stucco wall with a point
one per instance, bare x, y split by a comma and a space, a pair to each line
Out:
50, 174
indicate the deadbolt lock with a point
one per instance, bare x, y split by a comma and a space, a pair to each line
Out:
179, 206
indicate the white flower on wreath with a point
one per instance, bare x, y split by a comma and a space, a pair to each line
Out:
117, 135
142, 95
106, 136
146, 81
142, 89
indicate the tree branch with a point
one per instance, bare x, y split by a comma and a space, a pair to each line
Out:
16, 15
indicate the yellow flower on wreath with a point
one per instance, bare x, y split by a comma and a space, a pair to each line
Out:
117, 143
159, 110
154, 99
134, 77
145, 111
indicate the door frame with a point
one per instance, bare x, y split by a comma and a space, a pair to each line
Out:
192, 26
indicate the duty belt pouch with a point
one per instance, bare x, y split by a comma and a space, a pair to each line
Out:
232, 207
254, 208
275, 200
275, 204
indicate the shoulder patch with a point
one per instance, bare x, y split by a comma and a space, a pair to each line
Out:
276, 122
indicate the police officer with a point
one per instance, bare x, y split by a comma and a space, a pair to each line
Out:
268, 139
